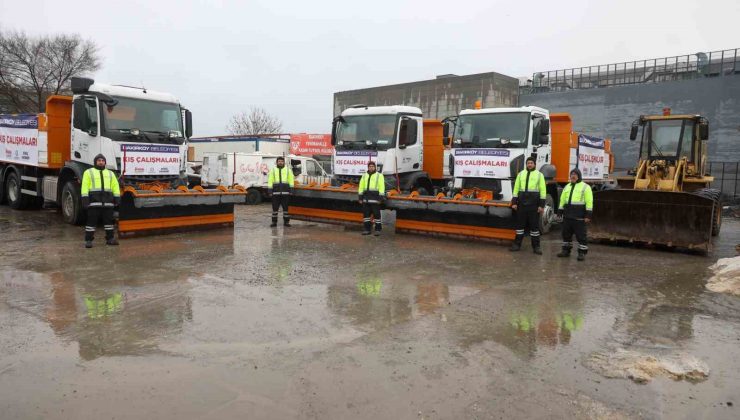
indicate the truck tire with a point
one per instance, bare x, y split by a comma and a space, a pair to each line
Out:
71, 204
253, 196
16, 200
548, 215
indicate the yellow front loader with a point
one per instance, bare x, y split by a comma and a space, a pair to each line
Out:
667, 199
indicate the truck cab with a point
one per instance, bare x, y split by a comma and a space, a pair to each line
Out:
142, 133
490, 147
393, 137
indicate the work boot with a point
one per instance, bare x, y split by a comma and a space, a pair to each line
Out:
537, 250
515, 247
88, 244
273, 224
111, 241
376, 233
565, 253
286, 223
365, 232
581, 256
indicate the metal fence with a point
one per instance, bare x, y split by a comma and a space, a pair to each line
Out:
726, 179
681, 67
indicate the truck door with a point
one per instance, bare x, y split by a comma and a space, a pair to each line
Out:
86, 143
410, 147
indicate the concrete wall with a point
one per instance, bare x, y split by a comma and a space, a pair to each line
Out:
438, 98
608, 112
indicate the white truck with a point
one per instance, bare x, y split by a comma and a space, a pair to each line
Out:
250, 171
408, 150
143, 136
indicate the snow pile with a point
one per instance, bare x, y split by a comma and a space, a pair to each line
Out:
641, 367
726, 277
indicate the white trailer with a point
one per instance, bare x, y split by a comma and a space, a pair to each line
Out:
250, 170
278, 145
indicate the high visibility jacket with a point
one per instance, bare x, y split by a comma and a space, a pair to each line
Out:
372, 187
577, 201
529, 188
280, 181
100, 188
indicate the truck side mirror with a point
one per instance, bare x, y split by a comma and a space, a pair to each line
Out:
703, 131
446, 130
633, 132
188, 123
544, 130
544, 139
334, 125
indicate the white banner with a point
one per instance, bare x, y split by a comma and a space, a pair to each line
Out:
19, 141
591, 157
150, 159
482, 163
353, 162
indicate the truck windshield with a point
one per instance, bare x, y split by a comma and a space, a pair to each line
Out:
154, 119
664, 139
504, 130
376, 132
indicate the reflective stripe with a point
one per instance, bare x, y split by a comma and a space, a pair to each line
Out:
568, 244
534, 233
520, 231
584, 247
89, 228
96, 204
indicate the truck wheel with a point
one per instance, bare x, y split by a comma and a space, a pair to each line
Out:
71, 203
548, 215
13, 190
422, 191
253, 196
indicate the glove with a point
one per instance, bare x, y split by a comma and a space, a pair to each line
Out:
85, 202
116, 201
559, 212
269, 192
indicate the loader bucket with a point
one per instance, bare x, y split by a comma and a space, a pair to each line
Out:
459, 217
674, 219
156, 211
336, 205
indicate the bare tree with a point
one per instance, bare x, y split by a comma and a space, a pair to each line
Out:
256, 121
32, 68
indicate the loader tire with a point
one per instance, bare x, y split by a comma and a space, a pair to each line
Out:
71, 204
253, 196
715, 195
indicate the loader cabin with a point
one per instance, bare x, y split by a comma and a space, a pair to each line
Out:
671, 137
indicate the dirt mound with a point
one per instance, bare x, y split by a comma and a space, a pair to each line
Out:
641, 367
726, 278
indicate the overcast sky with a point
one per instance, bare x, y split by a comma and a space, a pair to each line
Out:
220, 57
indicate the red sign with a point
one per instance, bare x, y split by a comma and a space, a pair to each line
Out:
311, 144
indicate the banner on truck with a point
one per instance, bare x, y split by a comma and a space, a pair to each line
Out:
311, 144
150, 159
353, 162
19, 141
591, 157
482, 163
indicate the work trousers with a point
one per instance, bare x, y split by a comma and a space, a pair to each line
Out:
280, 200
577, 227
528, 219
371, 211
95, 214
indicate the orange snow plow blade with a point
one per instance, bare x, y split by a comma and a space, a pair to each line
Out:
428, 215
155, 209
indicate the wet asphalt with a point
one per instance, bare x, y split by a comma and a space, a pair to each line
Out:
316, 321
